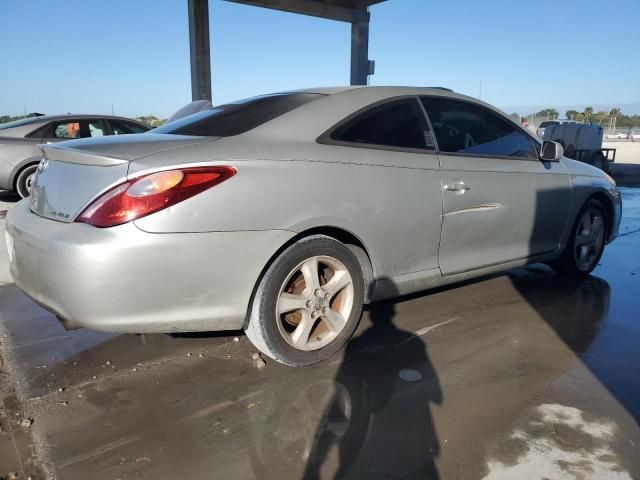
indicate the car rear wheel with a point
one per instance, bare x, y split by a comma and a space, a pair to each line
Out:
587, 242
308, 302
25, 179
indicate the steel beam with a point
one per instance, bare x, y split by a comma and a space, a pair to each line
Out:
314, 8
200, 51
359, 52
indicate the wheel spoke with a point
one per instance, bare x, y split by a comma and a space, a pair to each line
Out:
596, 225
334, 320
584, 252
581, 240
300, 335
309, 270
585, 223
340, 279
289, 302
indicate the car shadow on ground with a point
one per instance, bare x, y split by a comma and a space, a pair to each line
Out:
381, 408
9, 197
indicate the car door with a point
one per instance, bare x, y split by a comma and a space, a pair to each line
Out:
501, 203
69, 129
391, 150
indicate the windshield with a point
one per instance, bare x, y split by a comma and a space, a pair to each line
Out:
237, 117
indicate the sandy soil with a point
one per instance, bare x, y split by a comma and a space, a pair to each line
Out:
626, 151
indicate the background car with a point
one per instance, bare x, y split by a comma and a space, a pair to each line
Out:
283, 214
19, 152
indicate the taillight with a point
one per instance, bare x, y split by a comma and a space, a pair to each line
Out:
150, 193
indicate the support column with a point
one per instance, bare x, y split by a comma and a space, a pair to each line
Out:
360, 52
199, 48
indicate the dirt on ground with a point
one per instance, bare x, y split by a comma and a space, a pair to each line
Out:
18, 459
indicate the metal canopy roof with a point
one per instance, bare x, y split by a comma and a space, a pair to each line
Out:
341, 10
354, 12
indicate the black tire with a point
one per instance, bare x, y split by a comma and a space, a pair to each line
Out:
268, 330
569, 263
23, 180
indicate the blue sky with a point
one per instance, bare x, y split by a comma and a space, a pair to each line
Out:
82, 55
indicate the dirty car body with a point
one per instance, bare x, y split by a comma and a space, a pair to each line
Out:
419, 209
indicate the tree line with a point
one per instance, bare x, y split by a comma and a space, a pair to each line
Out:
612, 119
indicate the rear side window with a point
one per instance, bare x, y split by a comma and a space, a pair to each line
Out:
78, 129
238, 117
120, 127
399, 123
462, 127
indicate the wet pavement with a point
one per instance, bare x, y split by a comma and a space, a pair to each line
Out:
522, 375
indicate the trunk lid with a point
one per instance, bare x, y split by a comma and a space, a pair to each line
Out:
74, 173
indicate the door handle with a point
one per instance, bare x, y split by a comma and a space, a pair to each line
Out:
457, 187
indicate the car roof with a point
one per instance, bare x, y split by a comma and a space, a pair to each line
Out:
399, 89
63, 116
314, 118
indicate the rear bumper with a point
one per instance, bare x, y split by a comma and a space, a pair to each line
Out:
122, 279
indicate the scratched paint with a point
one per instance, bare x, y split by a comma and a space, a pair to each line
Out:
483, 207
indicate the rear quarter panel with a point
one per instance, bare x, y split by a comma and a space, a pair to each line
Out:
15, 154
390, 200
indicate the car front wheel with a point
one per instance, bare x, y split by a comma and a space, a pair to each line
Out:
308, 303
587, 241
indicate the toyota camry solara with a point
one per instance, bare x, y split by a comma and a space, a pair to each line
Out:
282, 214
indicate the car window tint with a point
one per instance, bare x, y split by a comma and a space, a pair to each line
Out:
123, 128
461, 127
399, 123
79, 129
237, 117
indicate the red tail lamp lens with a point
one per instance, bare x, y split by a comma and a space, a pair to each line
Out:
148, 194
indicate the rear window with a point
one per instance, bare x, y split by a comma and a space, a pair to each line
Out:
237, 117
19, 123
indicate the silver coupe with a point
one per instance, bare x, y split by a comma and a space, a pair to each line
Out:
283, 214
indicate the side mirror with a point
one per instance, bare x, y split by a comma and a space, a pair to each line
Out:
551, 151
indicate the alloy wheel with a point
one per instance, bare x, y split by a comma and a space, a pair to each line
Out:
589, 238
314, 303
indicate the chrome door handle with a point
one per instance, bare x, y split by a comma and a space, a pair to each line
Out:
456, 187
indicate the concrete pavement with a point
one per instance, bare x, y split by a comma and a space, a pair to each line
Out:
524, 375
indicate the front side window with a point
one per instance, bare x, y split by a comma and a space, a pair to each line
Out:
461, 127
398, 123
238, 117
78, 129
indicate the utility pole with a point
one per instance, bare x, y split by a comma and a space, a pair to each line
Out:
480, 93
